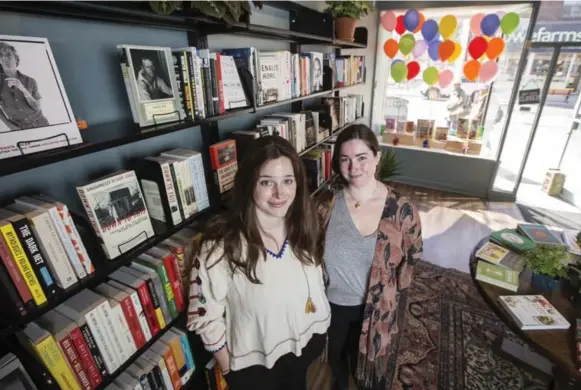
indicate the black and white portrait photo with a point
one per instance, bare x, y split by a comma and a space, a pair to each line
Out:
317, 72
151, 74
118, 203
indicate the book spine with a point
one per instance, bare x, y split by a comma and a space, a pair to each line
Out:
75, 237
203, 199
189, 178
94, 349
172, 369
195, 183
86, 358
214, 85
148, 308
90, 213
156, 304
98, 330
207, 74
181, 185
125, 69
170, 263
144, 382
66, 243
178, 355
198, 85
12, 293
165, 373
187, 352
52, 358
154, 379
191, 81
23, 264
220, 83
168, 290
53, 250
132, 322
177, 190
171, 194
71, 356
122, 328
15, 275
163, 304
141, 317
113, 334
32, 251
186, 87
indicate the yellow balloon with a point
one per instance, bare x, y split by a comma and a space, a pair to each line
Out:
457, 52
448, 26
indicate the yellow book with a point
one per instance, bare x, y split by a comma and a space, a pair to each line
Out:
160, 318
22, 262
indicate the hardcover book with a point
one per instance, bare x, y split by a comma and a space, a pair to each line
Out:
539, 234
223, 154
116, 209
498, 255
511, 239
533, 312
496, 275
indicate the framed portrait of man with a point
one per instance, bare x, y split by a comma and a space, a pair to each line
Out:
35, 113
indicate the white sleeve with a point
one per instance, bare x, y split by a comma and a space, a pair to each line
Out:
207, 300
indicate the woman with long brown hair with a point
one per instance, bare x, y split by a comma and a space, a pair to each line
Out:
373, 239
257, 297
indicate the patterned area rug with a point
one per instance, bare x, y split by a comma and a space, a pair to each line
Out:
447, 332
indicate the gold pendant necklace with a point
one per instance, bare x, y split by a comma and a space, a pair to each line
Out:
357, 202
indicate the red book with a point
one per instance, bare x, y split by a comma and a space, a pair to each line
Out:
173, 272
220, 83
71, 355
140, 286
15, 274
86, 358
223, 154
327, 165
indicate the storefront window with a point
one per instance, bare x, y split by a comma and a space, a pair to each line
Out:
460, 116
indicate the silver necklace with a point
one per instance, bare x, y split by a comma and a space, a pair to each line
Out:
358, 202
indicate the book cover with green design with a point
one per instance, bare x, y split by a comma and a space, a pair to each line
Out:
497, 275
511, 239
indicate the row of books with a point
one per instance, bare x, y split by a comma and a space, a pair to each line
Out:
318, 165
347, 70
344, 109
100, 329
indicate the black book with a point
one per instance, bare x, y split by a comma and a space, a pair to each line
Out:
208, 76
181, 82
9, 291
97, 357
215, 97
29, 243
244, 140
310, 136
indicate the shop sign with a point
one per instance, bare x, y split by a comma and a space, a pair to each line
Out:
529, 96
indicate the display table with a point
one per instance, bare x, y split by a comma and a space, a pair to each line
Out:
558, 346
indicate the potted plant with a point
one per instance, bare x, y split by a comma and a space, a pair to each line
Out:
578, 239
388, 165
548, 264
346, 14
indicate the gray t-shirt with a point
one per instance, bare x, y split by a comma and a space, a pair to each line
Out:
348, 257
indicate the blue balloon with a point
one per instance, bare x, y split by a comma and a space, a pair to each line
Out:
411, 19
433, 50
395, 62
490, 24
430, 30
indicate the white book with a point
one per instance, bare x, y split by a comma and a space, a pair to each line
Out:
160, 362
126, 80
234, 96
128, 382
116, 209
270, 77
179, 184
134, 295
195, 163
533, 312
63, 236
49, 243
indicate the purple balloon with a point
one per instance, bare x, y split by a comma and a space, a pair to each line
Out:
430, 30
490, 24
411, 19
433, 50
420, 48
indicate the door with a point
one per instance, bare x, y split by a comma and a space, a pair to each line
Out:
571, 161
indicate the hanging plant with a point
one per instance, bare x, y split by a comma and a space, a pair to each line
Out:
229, 11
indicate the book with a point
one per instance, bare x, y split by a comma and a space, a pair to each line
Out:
136, 307
533, 312
166, 352
186, 350
13, 375
158, 266
539, 234
160, 368
27, 129
214, 376
172, 340
498, 255
116, 209
511, 239
497, 275
223, 154
173, 272
570, 239
25, 301
138, 373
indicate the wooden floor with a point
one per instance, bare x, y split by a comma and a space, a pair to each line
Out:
452, 225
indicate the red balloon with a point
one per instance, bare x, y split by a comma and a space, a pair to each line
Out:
413, 69
477, 47
399, 27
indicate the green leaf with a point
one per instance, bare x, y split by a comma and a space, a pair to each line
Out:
351, 9
389, 166
547, 260
578, 239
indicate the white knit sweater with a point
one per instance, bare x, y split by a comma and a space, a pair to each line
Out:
258, 323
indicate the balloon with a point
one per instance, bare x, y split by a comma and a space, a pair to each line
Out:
500, 14
406, 44
399, 27
471, 70
413, 69
421, 23
445, 78
477, 47
456, 53
445, 50
448, 26
509, 22
390, 48
490, 24
475, 24
430, 30
488, 71
396, 61
388, 20
430, 75
495, 48
399, 72
420, 48
433, 50
411, 19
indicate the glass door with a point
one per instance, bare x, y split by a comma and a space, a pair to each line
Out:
571, 161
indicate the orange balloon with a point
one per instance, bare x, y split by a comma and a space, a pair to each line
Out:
446, 49
495, 48
390, 48
472, 70
421, 23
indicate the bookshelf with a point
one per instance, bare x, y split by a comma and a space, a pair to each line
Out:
114, 134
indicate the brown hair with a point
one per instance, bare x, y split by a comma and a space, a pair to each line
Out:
239, 224
358, 131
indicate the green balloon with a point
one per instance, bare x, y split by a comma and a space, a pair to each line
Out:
430, 75
399, 72
406, 44
509, 22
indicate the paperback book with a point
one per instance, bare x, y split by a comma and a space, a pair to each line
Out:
533, 312
503, 257
497, 276
511, 239
540, 234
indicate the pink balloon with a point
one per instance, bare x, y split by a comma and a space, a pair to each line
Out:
475, 24
420, 48
445, 78
488, 71
388, 20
